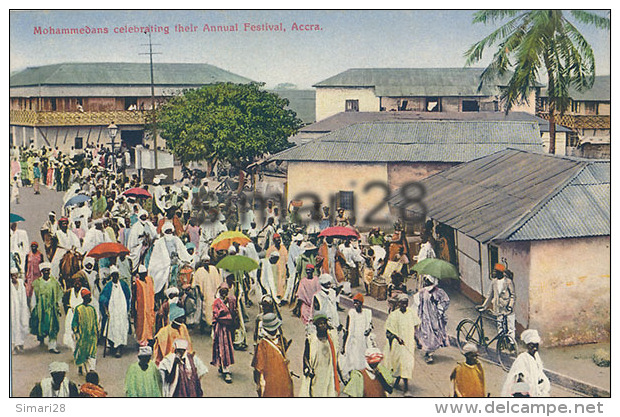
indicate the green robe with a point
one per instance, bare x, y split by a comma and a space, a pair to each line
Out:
355, 386
86, 330
44, 320
139, 383
99, 206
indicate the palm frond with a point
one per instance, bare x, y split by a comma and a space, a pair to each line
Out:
590, 18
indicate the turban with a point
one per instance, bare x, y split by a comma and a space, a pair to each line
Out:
51, 213
373, 355
85, 292
89, 261
156, 181
190, 245
63, 219
470, 348
143, 213
325, 279
171, 291
113, 269
14, 270
276, 235
298, 237
145, 351
359, 297
33, 243
181, 344
58, 367
45, 265
308, 246
530, 336
309, 266
274, 254
402, 297
319, 316
142, 269
232, 250
500, 267
175, 312
167, 227
271, 322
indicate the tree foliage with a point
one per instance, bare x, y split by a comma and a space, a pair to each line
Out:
236, 123
531, 42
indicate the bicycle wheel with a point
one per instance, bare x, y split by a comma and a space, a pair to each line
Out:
507, 351
468, 331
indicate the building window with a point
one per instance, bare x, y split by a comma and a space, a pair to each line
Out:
131, 103
403, 105
575, 107
433, 104
493, 257
470, 105
591, 107
572, 139
345, 200
78, 143
352, 105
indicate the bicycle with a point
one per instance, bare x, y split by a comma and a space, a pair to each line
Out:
473, 331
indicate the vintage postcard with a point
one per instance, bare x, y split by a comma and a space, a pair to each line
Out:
311, 203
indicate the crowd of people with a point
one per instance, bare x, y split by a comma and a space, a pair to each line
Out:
171, 280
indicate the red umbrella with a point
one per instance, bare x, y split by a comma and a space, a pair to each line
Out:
107, 249
137, 192
340, 231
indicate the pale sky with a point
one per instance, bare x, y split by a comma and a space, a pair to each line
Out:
346, 39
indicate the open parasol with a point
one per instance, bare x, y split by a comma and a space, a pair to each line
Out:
437, 268
77, 199
234, 263
14, 218
137, 193
340, 232
107, 250
225, 239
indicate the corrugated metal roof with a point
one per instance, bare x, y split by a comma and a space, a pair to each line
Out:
123, 73
419, 141
515, 195
600, 90
344, 119
397, 82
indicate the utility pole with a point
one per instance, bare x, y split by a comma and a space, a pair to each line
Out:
153, 119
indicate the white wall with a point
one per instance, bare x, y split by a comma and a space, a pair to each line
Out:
330, 101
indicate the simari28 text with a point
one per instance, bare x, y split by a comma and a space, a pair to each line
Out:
49, 408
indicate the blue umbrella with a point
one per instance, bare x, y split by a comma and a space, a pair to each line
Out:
80, 198
14, 218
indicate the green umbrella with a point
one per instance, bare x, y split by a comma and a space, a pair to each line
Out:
436, 267
14, 218
237, 263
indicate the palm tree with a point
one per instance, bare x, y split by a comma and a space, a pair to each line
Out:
533, 41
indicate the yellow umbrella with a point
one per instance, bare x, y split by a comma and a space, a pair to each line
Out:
225, 239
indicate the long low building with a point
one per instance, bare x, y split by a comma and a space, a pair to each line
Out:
360, 166
548, 217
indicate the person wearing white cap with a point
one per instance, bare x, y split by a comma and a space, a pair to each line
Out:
432, 310
142, 378
143, 305
168, 252
19, 244
20, 313
181, 372
528, 368
44, 320
141, 235
207, 278
95, 236
269, 270
371, 381
57, 385
67, 240
324, 302
280, 270
467, 378
114, 303
158, 197
400, 332
294, 250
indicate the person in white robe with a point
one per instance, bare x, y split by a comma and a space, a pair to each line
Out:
141, 228
210, 228
95, 236
75, 299
115, 302
167, 250
325, 302
400, 332
294, 250
208, 279
159, 195
19, 244
176, 368
20, 314
528, 369
269, 270
357, 337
